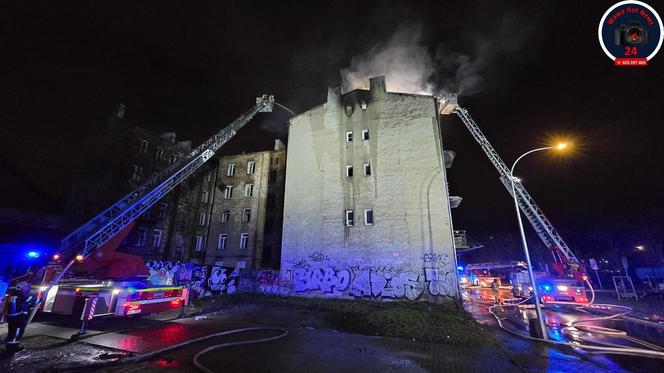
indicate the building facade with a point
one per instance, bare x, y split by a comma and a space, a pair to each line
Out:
245, 218
185, 225
119, 156
367, 210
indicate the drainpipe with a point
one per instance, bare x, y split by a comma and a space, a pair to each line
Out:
210, 210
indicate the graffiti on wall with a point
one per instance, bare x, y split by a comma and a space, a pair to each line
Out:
222, 280
434, 279
326, 279
268, 282
161, 272
202, 280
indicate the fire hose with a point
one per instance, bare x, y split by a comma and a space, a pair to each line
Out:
608, 348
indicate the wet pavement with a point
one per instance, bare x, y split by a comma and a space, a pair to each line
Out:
312, 345
620, 332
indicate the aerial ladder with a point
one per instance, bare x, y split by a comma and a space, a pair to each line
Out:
561, 252
111, 225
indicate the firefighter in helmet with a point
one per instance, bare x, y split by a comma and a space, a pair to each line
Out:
572, 267
17, 310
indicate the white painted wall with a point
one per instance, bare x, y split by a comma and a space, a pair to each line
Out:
411, 231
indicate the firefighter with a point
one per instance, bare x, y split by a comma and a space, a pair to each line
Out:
16, 311
573, 266
495, 288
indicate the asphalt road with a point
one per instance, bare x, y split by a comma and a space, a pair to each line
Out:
311, 346
618, 332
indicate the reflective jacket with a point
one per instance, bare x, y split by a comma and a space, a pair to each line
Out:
19, 303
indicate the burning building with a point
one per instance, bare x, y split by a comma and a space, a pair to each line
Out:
366, 205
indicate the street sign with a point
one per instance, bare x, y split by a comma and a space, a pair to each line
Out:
593, 264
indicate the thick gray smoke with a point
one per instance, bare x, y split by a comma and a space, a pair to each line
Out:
408, 65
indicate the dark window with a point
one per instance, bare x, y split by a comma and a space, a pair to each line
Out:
273, 176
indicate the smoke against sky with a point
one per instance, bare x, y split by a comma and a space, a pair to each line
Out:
457, 66
406, 64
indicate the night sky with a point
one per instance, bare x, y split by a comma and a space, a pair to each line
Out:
192, 69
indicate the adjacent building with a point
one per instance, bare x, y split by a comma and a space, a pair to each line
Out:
119, 156
245, 218
227, 213
367, 210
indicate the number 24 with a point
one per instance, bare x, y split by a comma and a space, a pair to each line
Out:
630, 51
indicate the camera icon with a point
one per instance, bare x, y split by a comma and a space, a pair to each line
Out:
632, 33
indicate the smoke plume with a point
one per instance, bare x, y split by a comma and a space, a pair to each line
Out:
407, 65
456, 67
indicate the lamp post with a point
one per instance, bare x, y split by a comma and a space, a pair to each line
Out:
538, 307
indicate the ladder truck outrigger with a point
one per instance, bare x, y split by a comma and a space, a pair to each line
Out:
118, 284
561, 284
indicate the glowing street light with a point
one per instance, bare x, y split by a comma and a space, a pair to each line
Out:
538, 306
641, 248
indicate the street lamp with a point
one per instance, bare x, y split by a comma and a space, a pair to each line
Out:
513, 180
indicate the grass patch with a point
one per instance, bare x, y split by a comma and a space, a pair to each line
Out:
438, 323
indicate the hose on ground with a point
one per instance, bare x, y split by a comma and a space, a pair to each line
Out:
594, 349
205, 369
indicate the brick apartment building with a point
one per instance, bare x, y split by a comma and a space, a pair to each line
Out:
120, 156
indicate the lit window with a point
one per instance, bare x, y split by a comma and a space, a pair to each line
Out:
368, 217
159, 153
199, 242
349, 136
202, 218
251, 166
142, 236
350, 218
157, 234
249, 190
221, 241
144, 147
228, 192
225, 215
231, 169
367, 169
204, 196
246, 217
365, 134
244, 239
349, 171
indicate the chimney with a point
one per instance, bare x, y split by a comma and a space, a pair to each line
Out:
168, 136
334, 95
377, 84
278, 145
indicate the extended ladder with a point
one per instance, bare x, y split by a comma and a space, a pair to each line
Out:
545, 230
107, 224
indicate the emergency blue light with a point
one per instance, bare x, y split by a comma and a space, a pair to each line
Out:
32, 254
546, 288
460, 268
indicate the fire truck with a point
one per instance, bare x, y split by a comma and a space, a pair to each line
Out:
560, 282
88, 277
